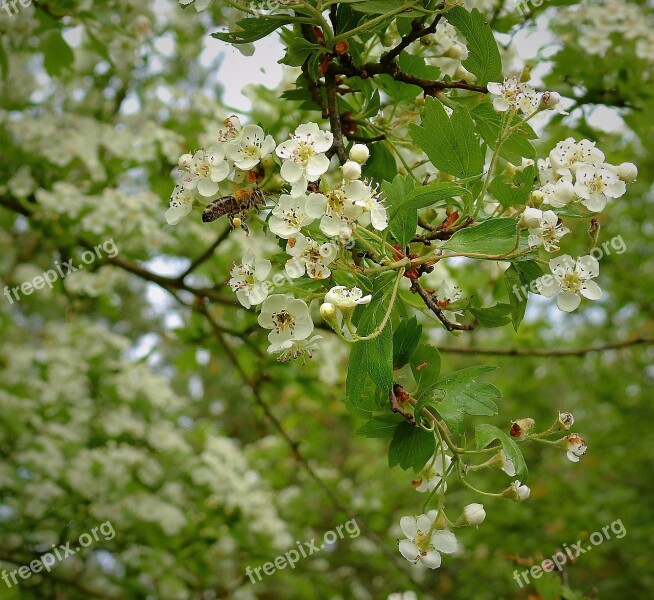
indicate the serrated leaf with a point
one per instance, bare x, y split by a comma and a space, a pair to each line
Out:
372, 357
405, 341
514, 190
417, 65
426, 368
486, 434
403, 219
466, 394
495, 316
494, 237
298, 51
517, 299
397, 90
380, 427
516, 146
484, 59
450, 143
381, 165
251, 30
411, 447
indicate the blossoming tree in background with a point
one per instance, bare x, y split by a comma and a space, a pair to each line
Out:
414, 181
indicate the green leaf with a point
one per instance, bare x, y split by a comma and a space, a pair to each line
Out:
426, 367
516, 146
397, 90
251, 30
57, 54
511, 191
495, 316
403, 220
380, 7
298, 52
517, 299
494, 237
416, 65
411, 447
465, 394
485, 434
484, 59
381, 165
450, 143
372, 357
380, 427
405, 341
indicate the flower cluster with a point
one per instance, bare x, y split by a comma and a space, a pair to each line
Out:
238, 151
315, 217
574, 173
513, 95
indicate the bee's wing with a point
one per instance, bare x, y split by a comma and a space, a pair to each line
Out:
213, 211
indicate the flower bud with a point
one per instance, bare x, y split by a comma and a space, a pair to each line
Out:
531, 217
473, 514
565, 420
565, 190
520, 429
551, 100
628, 172
463, 73
454, 51
351, 170
517, 492
327, 311
537, 197
185, 161
359, 153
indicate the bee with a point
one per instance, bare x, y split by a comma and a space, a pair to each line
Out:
236, 207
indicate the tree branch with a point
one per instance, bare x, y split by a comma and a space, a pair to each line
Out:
338, 147
546, 352
428, 299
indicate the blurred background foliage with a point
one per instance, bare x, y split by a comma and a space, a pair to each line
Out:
117, 403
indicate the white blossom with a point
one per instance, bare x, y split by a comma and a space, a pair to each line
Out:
474, 514
570, 280
181, 204
304, 156
431, 475
290, 215
208, 168
576, 447
249, 279
346, 299
595, 184
309, 257
569, 155
547, 231
337, 210
252, 146
425, 544
288, 319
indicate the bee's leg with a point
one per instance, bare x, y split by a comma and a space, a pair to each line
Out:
245, 228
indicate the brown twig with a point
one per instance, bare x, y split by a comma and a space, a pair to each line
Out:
428, 299
546, 352
336, 126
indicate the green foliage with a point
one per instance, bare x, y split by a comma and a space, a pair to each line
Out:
449, 141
